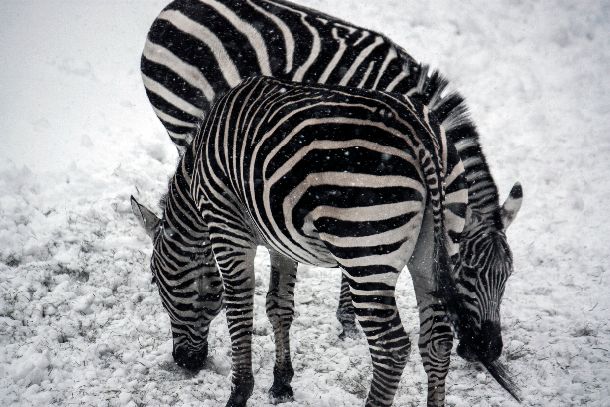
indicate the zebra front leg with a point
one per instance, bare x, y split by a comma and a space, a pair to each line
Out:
237, 269
375, 309
345, 311
435, 334
280, 310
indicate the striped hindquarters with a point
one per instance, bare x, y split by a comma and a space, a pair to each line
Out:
316, 164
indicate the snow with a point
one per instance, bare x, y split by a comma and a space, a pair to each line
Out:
80, 321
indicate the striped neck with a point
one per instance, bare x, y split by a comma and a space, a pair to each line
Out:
450, 110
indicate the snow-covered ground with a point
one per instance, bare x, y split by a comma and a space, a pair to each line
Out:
80, 322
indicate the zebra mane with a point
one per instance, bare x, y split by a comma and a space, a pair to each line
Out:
449, 108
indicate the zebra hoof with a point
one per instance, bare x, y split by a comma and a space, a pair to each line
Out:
240, 395
190, 360
280, 393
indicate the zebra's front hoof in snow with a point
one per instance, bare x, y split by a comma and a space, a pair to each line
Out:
240, 394
281, 390
280, 393
190, 360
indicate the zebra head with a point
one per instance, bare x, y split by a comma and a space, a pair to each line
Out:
189, 284
479, 280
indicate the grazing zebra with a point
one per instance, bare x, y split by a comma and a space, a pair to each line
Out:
197, 50
326, 176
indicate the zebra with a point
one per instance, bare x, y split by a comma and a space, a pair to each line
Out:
197, 50
328, 176
323, 175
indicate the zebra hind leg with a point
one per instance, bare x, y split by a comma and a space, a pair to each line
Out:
345, 312
378, 316
435, 334
280, 310
435, 344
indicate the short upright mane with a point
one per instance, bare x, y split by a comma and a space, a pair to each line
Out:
449, 108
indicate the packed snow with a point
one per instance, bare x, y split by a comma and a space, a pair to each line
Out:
81, 323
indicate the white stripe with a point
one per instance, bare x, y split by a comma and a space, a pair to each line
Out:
203, 34
286, 32
389, 58
363, 35
470, 161
336, 58
457, 170
363, 55
189, 73
396, 81
370, 213
465, 143
366, 75
171, 119
475, 175
178, 136
160, 90
254, 37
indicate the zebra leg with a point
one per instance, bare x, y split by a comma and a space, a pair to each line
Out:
376, 311
280, 310
435, 335
236, 264
345, 311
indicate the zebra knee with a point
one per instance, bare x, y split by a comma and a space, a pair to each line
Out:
442, 347
393, 353
436, 352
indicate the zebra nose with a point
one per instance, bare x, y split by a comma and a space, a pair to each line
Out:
192, 360
490, 345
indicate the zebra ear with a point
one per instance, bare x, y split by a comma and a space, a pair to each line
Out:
146, 218
511, 206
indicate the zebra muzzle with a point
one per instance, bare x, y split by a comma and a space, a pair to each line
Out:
192, 360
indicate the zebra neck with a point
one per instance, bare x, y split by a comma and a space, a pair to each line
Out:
482, 190
181, 213
449, 109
